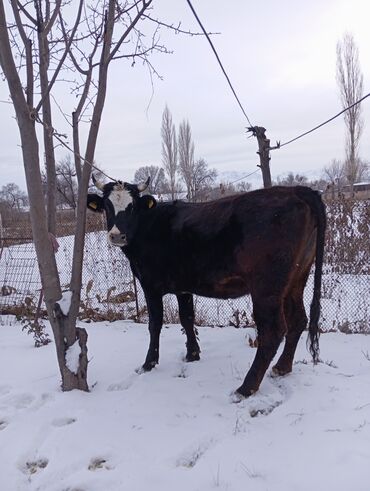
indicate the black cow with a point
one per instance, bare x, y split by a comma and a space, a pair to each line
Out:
261, 243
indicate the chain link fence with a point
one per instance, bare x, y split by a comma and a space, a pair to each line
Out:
110, 292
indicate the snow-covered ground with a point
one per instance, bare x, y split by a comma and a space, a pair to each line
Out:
176, 428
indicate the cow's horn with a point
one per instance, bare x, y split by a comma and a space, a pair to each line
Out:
142, 187
97, 184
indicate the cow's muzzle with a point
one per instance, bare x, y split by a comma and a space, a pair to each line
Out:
117, 239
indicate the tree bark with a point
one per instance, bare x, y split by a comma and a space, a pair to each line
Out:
79, 242
264, 154
44, 250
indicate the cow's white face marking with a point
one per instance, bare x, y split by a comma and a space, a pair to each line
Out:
120, 198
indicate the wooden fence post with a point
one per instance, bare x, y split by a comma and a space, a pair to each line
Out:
264, 153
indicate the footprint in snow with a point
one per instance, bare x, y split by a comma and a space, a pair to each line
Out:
191, 455
30, 467
123, 385
21, 401
260, 403
25, 401
99, 463
182, 373
3, 424
44, 399
59, 422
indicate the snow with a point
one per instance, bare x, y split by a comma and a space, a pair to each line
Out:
72, 357
176, 428
65, 302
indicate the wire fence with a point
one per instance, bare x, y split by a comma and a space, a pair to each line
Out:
109, 291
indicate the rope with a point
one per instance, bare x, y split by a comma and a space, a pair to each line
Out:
58, 136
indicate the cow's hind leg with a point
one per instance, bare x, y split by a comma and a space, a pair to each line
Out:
269, 317
186, 314
155, 310
296, 320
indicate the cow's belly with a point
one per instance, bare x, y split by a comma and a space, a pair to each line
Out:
231, 286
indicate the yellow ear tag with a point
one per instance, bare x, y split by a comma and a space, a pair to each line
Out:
93, 205
150, 203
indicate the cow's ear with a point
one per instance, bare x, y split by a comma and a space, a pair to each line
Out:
147, 202
95, 203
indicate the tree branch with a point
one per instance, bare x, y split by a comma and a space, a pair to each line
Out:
61, 61
28, 49
129, 29
177, 29
50, 22
26, 13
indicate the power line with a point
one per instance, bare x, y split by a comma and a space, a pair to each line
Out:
279, 145
244, 177
219, 61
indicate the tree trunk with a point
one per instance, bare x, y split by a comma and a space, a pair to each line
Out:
264, 153
43, 246
47, 129
79, 242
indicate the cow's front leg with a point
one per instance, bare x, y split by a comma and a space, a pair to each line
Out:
155, 310
186, 314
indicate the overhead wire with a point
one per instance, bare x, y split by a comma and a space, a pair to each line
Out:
244, 177
219, 61
279, 145
226, 76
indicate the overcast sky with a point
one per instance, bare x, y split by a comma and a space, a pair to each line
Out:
280, 56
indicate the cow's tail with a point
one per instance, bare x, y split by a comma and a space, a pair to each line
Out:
318, 208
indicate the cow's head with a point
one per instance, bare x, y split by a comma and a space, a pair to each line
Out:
122, 204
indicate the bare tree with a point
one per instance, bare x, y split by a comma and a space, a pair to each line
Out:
202, 180
292, 179
196, 174
66, 182
38, 31
169, 150
186, 156
243, 187
350, 81
335, 173
13, 197
229, 188
157, 183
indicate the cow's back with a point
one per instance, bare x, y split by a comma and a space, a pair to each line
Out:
225, 247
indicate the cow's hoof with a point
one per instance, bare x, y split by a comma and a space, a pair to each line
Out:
236, 398
193, 356
277, 371
245, 392
147, 367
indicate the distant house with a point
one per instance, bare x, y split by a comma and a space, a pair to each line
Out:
361, 190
